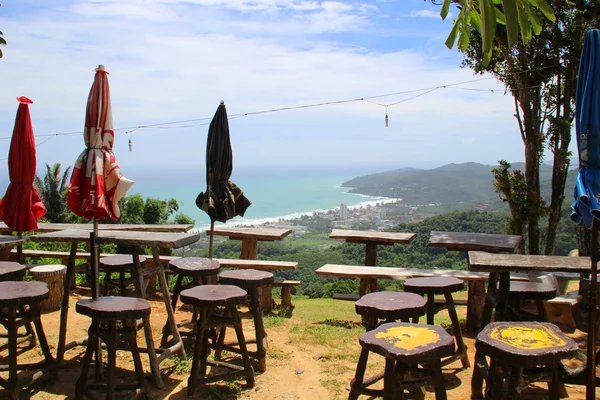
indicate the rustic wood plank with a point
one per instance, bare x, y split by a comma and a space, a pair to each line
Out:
468, 241
53, 227
385, 238
482, 261
134, 238
261, 234
367, 272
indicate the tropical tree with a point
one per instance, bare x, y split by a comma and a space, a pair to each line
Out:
541, 75
53, 191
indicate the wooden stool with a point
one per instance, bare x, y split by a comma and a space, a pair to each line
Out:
14, 297
105, 312
376, 306
534, 291
514, 347
207, 298
196, 268
120, 264
12, 271
250, 280
53, 276
446, 286
404, 347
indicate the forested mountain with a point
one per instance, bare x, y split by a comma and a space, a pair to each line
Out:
451, 183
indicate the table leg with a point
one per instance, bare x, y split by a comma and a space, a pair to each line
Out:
64, 308
249, 248
475, 305
490, 300
503, 294
371, 254
164, 287
367, 285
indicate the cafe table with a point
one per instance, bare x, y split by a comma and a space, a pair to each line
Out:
250, 238
472, 241
7, 242
135, 239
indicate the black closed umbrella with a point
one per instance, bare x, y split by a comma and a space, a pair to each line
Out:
222, 199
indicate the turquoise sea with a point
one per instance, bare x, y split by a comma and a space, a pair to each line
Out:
274, 194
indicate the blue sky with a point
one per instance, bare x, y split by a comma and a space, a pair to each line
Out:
173, 60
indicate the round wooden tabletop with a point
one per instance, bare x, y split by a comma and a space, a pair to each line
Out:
213, 295
531, 291
409, 343
10, 270
434, 284
195, 266
246, 278
15, 293
525, 344
393, 305
114, 307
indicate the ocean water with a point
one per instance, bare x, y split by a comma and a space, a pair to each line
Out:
274, 194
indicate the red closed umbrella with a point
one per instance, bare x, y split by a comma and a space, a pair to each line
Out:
21, 206
97, 183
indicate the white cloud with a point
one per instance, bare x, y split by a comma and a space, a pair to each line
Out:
425, 14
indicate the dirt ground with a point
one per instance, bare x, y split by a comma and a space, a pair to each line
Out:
296, 369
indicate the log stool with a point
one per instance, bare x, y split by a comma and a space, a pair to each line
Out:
517, 346
120, 264
446, 286
404, 347
250, 280
14, 297
196, 268
208, 298
535, 291
376, 306
54, 276
105, 313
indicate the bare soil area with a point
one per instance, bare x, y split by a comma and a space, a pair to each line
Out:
307, 359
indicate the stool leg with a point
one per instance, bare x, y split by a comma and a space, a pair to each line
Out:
496, 381
430, 308
154, 366
556, 388
12, 384
542, 314
40, 333
478, 376
460, 344
166, 331
135, 353
259, 329
438, 380
390, 383
200, 331
106, 284
513, 382
29, 330
122, 284
87, 359
111, 347
237, 325
356, 385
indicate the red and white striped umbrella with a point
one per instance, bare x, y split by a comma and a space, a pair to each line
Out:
97, 183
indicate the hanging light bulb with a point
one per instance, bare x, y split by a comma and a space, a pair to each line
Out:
130, 145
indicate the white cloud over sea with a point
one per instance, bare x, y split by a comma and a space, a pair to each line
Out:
174, 60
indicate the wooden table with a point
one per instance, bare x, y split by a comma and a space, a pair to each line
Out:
8, 242
154, 240
53, 227
250, 238
371, 240
469, 241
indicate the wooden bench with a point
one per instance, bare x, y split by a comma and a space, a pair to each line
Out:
369, 276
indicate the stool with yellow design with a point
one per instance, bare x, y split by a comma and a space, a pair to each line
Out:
520, 353
446, 286
406, 346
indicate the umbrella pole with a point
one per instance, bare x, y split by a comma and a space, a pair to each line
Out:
592, 300
210, 243
94, 259
20, 257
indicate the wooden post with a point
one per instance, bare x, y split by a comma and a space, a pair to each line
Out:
371, 254
475, 303
249, 248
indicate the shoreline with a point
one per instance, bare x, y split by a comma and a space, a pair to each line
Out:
241, 222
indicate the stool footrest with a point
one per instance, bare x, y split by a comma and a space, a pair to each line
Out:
220, 377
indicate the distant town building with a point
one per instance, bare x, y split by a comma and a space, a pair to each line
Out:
343, 211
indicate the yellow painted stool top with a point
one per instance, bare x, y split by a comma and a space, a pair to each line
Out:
408, 337
527, 338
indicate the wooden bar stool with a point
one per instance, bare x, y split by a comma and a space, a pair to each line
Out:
387, 306
404, 347
521, 353
120, 264
106, 312
20, 305
12, 271
250, 280
446, 286
208, 299
535, 291
197, 268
